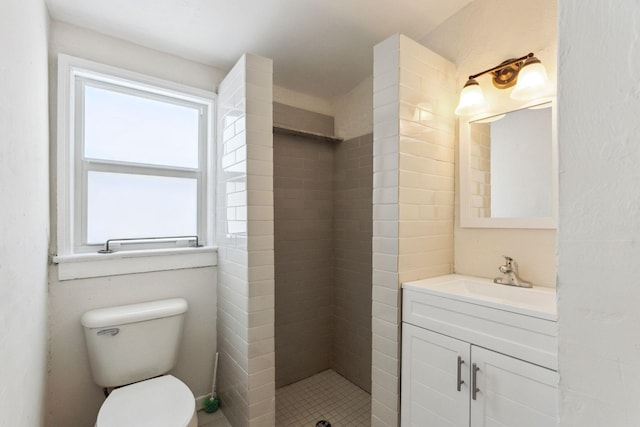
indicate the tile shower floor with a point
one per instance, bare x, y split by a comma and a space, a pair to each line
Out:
324, 396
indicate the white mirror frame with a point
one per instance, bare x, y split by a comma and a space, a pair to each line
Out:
466, 220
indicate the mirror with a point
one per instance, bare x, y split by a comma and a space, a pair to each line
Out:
508, 167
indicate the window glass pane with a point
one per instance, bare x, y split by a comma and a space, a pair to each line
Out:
127, 205
131, 128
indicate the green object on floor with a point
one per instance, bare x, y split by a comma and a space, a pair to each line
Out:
211, 404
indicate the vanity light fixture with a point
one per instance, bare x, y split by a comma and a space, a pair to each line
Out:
526, 73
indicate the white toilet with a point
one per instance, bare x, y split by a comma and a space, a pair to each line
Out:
136, 345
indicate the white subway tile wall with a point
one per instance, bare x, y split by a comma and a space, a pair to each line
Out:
413, 195
480, 158
245, 243
386, 299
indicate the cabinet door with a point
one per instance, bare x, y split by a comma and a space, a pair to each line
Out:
511, 392
431, 396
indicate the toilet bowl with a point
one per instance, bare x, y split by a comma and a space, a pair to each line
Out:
159, 402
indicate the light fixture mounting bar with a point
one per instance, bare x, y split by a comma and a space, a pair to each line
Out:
505, 64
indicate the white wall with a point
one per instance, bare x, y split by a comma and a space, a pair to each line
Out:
24, 211
480, 36
598, 251
87, 44
73, 398
354, 111
303, 101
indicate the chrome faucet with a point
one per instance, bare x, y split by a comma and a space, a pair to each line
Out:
510, 274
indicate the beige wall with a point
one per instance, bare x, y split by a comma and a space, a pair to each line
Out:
24, 212
478, 37
354, 111
73, 398
302, 101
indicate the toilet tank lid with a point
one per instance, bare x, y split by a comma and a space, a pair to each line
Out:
133, 313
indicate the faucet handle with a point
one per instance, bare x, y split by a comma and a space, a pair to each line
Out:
510, 264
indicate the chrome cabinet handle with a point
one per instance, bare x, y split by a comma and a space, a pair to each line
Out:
474, 381
460, 380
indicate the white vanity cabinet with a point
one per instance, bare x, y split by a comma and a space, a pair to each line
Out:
512, 392
453, 345
434, 392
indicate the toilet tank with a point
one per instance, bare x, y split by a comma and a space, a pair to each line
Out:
135, 342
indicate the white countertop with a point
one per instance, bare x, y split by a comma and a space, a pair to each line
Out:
536, 301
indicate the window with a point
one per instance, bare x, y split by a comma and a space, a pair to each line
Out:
134, 161
139, 164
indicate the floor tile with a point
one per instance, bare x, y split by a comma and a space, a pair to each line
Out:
324, 396
215, 419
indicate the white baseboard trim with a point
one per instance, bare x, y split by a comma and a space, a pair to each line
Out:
200, 401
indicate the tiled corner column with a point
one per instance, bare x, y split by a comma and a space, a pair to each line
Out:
413, 196
426, 163
245, 244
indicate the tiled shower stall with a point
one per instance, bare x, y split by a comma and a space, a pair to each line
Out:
299, 213
309, 279
323, 230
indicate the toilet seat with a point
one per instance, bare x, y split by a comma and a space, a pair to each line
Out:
159, 402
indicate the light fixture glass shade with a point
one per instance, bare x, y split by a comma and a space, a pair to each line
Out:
532, 81
471, 99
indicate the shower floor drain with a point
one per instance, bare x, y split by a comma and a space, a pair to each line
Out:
323, 423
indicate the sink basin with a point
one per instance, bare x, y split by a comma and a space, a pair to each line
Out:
536, 301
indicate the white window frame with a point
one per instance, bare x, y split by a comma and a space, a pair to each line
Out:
77, 260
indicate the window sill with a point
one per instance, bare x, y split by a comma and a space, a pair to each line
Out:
82, 266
